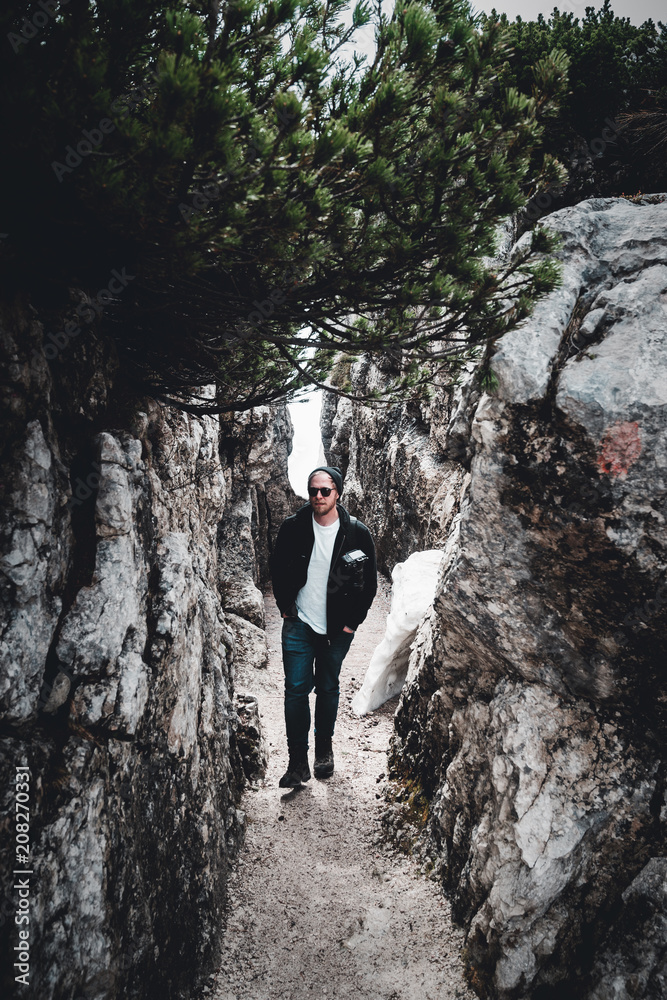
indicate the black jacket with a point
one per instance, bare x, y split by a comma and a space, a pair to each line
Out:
347, 604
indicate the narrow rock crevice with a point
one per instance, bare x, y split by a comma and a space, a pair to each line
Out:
84, 482
526, 776
110, 569
320, 904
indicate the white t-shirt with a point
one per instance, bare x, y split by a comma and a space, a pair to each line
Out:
311, 601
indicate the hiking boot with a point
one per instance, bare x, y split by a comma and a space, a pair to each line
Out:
297, 771
324, 762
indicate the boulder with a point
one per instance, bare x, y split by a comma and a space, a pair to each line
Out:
251, 649
534, 709
249, 739
533, 714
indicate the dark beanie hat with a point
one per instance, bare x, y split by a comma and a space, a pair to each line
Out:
332, 471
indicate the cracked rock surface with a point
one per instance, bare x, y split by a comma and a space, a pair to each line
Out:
118, 656
533, 715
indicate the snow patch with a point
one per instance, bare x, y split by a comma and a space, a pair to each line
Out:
413, 590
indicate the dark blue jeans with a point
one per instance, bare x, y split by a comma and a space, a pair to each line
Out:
311, 661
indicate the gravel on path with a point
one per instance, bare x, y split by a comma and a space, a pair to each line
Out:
320, 905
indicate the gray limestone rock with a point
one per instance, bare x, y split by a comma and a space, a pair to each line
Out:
117, 664
633, 961
397, 477
257, 445
249, 738
251, 649
533, 715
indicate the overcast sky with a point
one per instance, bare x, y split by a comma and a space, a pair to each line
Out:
307, 443
307, 452
637, 10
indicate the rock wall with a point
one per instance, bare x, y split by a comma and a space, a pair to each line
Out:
401, 475
533, 717
256, 444
117, 664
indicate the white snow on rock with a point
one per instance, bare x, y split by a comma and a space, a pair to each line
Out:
413, 589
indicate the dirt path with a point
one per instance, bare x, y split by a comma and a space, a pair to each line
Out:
319, 907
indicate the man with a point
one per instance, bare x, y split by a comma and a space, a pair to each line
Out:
324, 581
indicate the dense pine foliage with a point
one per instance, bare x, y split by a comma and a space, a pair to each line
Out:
243, 198
611, 132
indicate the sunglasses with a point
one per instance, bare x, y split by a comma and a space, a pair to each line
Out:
324, 490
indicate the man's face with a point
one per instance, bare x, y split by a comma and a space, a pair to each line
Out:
320, 504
